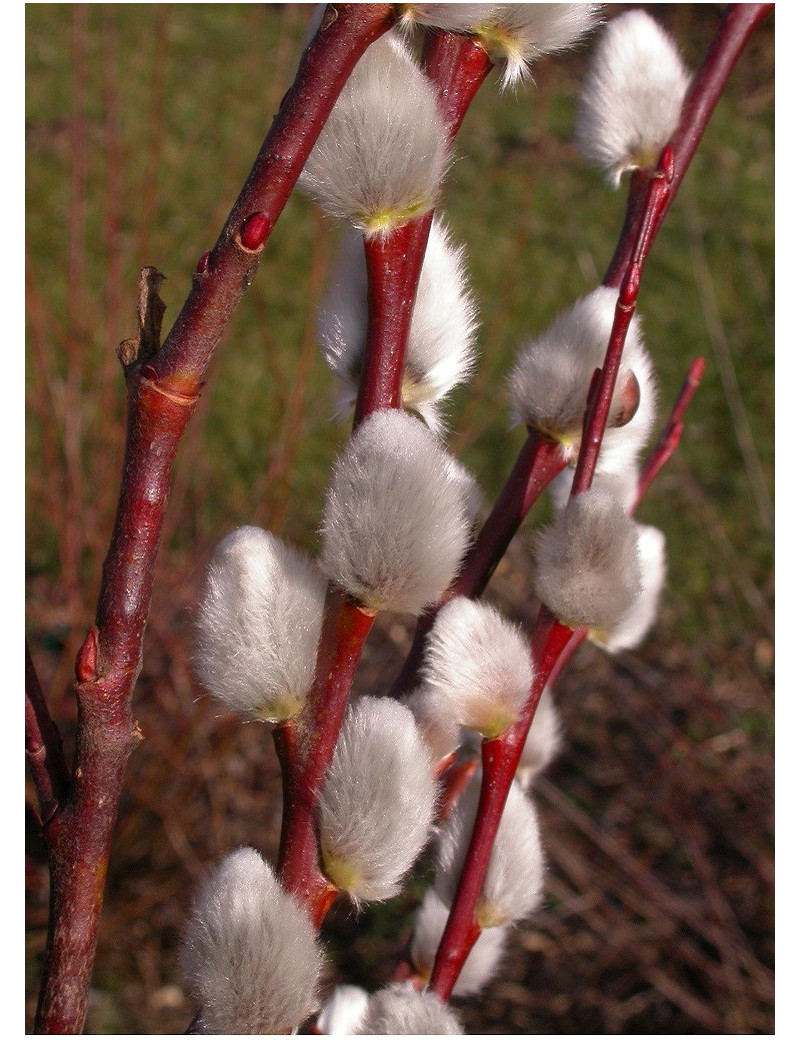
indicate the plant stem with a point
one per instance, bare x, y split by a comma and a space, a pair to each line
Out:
458, 65
600, 397
162, 394
500, 758
43, 748
345, 33
550, 639
306, 747
673, 430
394, 263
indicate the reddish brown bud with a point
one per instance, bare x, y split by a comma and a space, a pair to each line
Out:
202, 263
255, 231
86, 661
629, 398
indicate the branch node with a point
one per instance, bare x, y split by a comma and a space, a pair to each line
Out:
150, 379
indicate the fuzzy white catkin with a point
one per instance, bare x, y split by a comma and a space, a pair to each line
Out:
250, 953
587, 567
631, 100
400, 1010
447, 17
482, 962
512, 887
480, 663
550, 381
258, 624
343, 1011
382, 154
394, 526
516, 35
377, 802
629, 632
441, 345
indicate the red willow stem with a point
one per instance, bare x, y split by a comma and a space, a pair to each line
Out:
162, 394
500, 758
601, 394
456, 65
553, 645
394, 263
673, 430
345, 33
306, 745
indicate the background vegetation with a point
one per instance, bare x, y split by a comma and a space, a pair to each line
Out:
141, 124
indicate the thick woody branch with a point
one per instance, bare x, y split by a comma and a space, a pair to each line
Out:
162, 393
345, 33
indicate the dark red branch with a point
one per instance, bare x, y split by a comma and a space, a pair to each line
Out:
550, 639
43, 747
458, 65
345, 33
673, 430
162, 395
601, 395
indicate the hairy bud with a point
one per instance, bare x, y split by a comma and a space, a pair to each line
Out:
638, 619
587, 568
258, 625
441, 345
377, 802
550, 382
480, 663
250, 953
395, 522
382, 154
343, 1011
482, 962
512, 887
631, 101
402, 1010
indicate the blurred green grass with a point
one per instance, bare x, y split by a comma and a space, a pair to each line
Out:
172, 104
